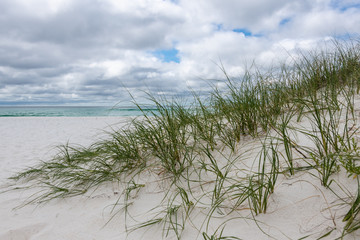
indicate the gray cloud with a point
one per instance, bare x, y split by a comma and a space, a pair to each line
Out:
89, 23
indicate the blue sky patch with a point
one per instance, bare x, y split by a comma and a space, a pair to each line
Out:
343, 7
246, 32
356, 5
284, 21
167, 55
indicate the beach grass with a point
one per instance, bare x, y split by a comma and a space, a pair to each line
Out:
195, 147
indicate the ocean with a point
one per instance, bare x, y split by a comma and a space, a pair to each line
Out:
67, 111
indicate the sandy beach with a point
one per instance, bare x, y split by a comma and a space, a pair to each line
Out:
299, 207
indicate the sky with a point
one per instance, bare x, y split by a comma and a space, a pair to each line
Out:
98, 52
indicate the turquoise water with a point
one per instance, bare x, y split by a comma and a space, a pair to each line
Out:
66, 111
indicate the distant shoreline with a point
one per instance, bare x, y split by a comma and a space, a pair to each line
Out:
68, 111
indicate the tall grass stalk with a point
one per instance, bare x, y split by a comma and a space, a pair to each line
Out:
352, 223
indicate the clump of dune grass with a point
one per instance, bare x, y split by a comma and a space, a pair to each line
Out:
164, 135
195, 147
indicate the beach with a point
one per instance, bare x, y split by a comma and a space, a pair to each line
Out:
299, 207
179, 120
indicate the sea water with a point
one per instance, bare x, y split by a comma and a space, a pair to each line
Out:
68, 111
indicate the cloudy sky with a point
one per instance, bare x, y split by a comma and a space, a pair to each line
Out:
91, 52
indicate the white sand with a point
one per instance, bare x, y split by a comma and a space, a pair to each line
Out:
23, 142
299, 207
